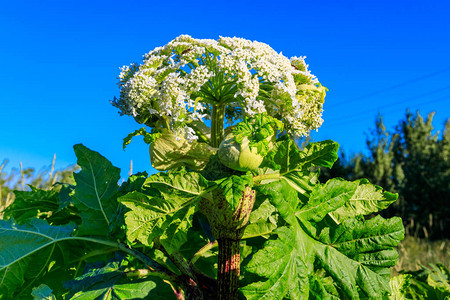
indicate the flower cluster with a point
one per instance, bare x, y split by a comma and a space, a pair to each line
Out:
181, 82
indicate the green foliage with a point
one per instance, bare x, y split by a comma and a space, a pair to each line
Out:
154, 236
167, 217
356, 255
112, 282
148, 137
21, 180
259, 132
169, 151
43, 204
366, 199
42, 292
28, 253
96, 185
414, 161
426, 283
233, 187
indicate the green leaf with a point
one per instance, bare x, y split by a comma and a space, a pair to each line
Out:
284, 156
233, 187
326, 198
148, 137
362, 252
42, 292
357, 259
322, 286
399, 287
32, 204
321, 154
367, 199
192, 183
262, 221
153, 216
110, 282
166, 209
356, 255
26, 252
259, 129
288, 157
168, 152
361, 240
43, 204
95, 190
134, 183
351, 276
429, 283
175, 234
283, 197
439, 280
283, 265
302, 181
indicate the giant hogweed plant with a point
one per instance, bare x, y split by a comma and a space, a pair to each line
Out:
235, 212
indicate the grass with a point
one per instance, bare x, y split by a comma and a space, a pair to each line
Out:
416, 252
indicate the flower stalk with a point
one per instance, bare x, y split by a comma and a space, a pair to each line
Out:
217, 119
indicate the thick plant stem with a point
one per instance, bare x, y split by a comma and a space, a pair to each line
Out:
228, 269
192, 290
217, 125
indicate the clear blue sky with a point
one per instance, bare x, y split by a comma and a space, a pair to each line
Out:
59, 62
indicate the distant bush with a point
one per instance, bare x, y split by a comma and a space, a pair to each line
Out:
414, 161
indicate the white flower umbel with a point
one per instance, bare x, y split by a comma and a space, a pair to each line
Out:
191, 80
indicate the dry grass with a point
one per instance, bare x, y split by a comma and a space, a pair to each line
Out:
6, 196
414, 252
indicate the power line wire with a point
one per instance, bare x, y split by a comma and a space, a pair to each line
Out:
396, 102
392, 87
362, 117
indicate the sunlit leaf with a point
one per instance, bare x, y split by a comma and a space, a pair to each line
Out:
152, 216
367, 199
96, 185
356, 256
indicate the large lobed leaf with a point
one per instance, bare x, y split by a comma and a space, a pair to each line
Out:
286, 156
27, 252
96, 185
355, 255
180, 180
164, 209
262, 221
322, 154
367, 199
327, 198
283, 198
285, 265
158, 216
299, 168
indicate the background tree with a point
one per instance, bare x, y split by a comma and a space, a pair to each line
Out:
414, 161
